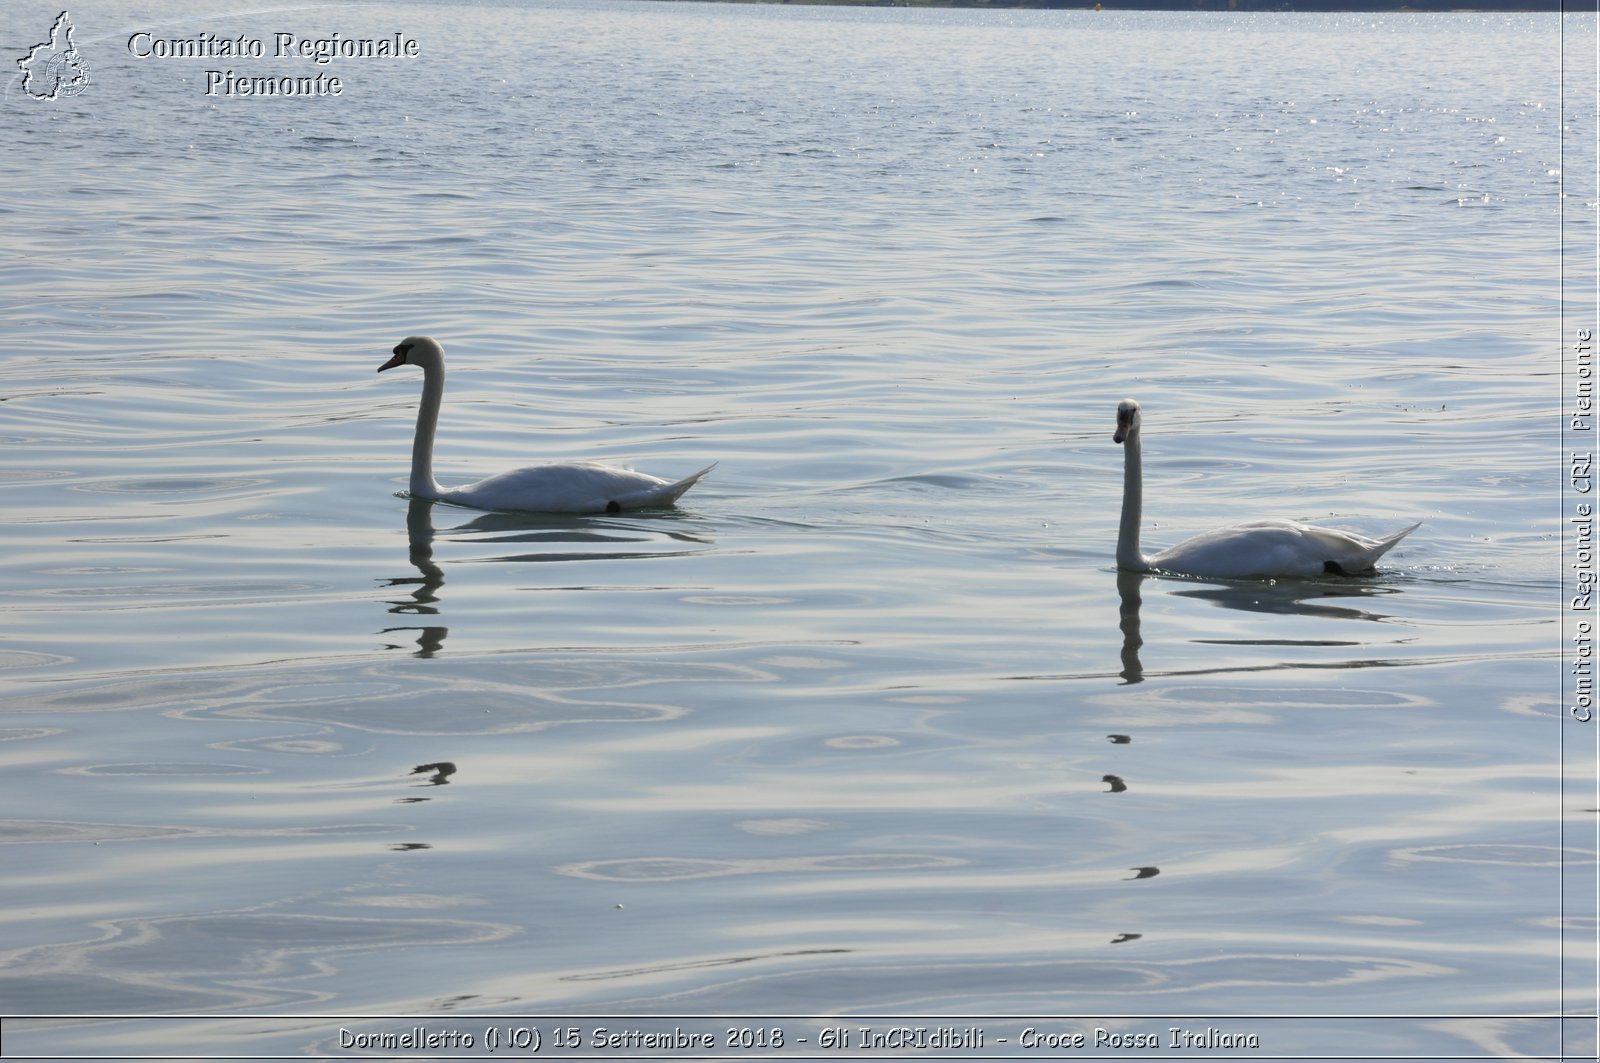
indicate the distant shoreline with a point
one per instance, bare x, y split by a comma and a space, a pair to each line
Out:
1372, 7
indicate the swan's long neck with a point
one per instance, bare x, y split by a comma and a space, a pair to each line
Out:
423, 485
1128, 555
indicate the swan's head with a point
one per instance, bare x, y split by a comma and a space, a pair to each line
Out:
1127, 420
416, 350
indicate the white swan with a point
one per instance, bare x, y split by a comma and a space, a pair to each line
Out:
1258, 550
574, 487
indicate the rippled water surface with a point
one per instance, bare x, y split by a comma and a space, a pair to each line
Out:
869, 725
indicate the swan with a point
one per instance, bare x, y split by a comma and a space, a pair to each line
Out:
571, 487
1260, 549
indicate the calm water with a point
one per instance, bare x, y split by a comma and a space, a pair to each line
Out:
869, 726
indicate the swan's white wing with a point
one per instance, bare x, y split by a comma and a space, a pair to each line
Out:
1267, 548
575, 487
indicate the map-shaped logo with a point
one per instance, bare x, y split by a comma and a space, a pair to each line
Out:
55, 68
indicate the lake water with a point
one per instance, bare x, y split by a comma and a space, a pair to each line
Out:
869, 730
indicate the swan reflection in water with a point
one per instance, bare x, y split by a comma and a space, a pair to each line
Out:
424, 587
419, 532
564, 539
1128, 584
1297, 597
438, 772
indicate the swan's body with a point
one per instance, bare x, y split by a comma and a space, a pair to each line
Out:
1261, 549
574, 487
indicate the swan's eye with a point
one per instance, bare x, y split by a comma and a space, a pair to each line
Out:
403, 349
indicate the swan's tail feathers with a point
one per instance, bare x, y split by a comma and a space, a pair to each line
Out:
672, 492
1386, 543
1356, 555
